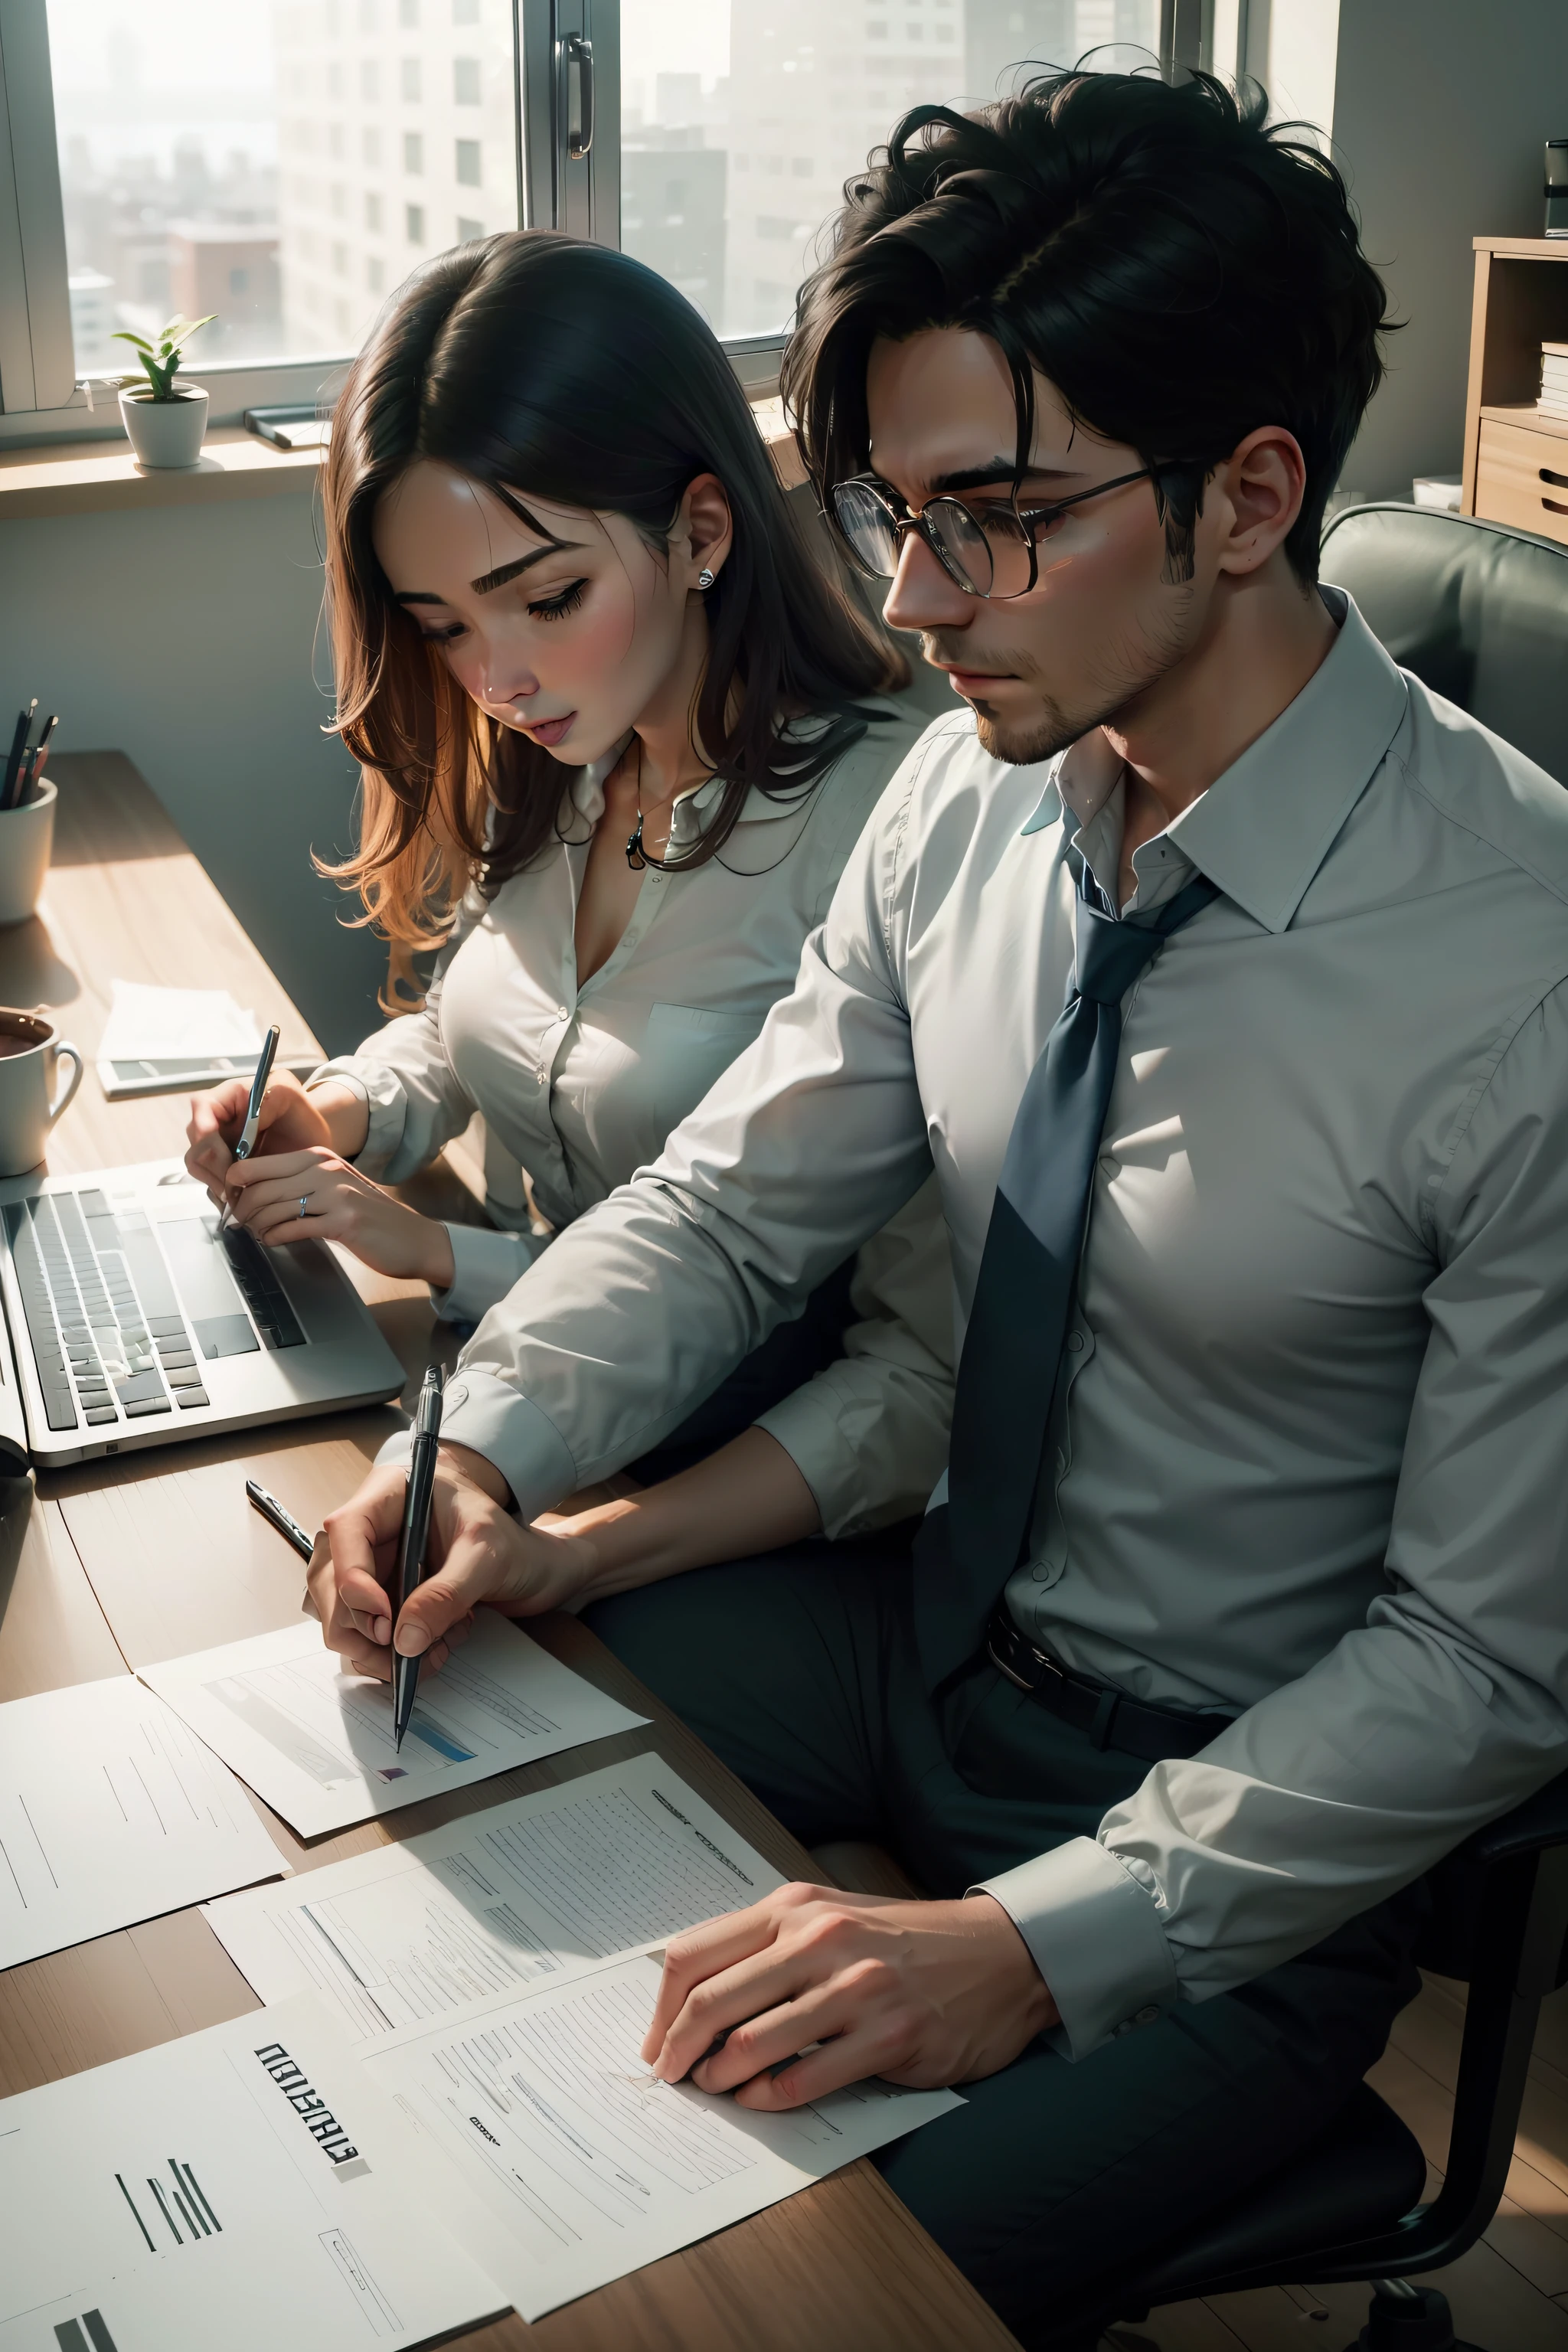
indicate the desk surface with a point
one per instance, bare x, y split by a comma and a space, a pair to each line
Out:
113, 1564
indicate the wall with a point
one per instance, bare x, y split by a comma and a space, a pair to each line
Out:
185, 637
1440, 111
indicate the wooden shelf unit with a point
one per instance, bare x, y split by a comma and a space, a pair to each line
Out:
1516, 462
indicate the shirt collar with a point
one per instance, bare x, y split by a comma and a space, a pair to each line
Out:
1264, 828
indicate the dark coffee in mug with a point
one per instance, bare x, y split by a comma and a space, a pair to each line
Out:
31, 1053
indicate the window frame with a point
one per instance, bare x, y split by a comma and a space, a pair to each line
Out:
41, 398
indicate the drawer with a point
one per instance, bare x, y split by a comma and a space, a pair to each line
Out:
1521, 479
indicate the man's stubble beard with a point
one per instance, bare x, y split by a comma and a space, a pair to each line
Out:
1125, 672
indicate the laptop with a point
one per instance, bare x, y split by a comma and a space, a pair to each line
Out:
131, 1320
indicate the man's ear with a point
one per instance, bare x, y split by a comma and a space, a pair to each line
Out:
1262, 483
704, 527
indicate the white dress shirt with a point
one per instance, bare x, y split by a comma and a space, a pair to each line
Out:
579, 1084
1310, 1462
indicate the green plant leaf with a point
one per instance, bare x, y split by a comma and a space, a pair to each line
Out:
140, 341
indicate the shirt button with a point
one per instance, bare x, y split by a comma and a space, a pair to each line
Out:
562, 1013
1145, 2016
1075, 1343
1107, 1164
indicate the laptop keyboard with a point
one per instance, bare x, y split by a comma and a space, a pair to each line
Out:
108, 1337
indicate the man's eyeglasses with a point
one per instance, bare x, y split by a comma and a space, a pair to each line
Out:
989, 551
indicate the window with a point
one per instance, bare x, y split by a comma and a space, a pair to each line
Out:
800, 92
216, 156
212, 155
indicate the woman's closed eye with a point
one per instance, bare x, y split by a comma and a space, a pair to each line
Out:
555, 608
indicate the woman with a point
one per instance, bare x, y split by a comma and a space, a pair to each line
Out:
618, 733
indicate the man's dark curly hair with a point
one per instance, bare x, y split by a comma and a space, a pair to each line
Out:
1181, 274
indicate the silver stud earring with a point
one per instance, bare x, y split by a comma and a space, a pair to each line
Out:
705, 578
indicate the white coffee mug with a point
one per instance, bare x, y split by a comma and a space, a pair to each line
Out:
27, 1111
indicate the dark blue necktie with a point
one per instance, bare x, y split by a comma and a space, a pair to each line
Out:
1013, 1346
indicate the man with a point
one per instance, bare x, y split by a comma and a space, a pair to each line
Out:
1242, 1608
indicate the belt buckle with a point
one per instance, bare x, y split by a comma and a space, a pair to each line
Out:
1047, 1666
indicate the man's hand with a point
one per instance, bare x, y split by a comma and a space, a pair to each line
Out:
924, 1994
482, 1555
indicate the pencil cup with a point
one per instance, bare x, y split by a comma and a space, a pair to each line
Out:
28, 1108
26, 844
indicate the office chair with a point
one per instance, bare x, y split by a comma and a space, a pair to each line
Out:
1480, 615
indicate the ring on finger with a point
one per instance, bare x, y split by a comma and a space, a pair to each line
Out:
303, 1198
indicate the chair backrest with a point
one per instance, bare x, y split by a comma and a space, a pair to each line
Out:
1478, 612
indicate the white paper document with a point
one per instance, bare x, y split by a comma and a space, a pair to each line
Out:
317, 1745
547, 1886
576, 2165
111, 1812
164, 1024
247, 2186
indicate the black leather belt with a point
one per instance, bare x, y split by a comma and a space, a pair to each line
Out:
1110, 1719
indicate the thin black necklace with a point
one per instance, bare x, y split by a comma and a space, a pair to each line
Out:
637, 857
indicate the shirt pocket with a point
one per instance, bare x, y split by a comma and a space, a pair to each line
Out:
688, 1046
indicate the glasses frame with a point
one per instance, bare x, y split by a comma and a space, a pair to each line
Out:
1028, 520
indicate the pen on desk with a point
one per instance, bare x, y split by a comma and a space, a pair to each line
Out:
273, 1512
8, 788
414, 1535
247, 1144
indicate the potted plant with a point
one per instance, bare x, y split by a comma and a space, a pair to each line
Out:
164, 419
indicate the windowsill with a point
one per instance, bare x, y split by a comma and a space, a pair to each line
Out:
102, 477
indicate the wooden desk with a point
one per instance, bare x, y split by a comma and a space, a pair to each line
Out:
112, 1564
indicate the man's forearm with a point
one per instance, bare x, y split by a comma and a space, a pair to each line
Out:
748, 1497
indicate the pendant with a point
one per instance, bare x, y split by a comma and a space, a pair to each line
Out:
635, 858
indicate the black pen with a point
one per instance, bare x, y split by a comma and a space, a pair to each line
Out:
273, 1512
13, 760
248, 1133
411, 1542
34, 762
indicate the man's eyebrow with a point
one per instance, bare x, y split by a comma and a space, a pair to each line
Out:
489, 579
998, 469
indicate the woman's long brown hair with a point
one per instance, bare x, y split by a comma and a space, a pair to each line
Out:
543, 366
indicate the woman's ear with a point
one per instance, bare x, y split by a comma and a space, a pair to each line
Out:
699, 542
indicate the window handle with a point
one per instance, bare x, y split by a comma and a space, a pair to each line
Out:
580, 53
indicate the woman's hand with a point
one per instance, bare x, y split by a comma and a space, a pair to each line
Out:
482, 1555
313, 1194
290, 1120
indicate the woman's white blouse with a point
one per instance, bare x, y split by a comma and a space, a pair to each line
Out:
579, 1086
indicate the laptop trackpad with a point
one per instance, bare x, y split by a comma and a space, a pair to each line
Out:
226, 1335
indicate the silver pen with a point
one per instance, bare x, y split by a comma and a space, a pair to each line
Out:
248, 1133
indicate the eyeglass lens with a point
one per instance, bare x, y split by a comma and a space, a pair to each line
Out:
989, 555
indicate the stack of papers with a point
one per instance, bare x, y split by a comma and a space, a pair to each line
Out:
164, 1037
247, 2186
497, 1978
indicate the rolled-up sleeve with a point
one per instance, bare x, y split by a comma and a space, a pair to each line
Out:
1449, 1705
868, 1433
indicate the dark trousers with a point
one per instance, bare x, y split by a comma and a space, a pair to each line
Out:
800, 1670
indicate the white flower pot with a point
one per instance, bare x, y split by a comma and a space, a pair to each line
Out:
167, 433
